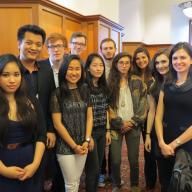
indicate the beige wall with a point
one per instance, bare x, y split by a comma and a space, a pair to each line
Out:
107, 8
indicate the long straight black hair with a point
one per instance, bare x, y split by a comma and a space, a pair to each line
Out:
102, 83
25, 111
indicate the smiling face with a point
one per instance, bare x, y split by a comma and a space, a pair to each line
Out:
124, 65
181, 61
30, 46
74, 73
10, 78
96, 68
142, 60
162, 64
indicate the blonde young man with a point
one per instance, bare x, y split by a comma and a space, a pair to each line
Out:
56, 45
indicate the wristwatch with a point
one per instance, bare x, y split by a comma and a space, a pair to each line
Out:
88, 139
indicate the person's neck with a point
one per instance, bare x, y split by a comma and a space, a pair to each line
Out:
28, 64
123, 80
56, 65
181, 78
10, 97
95, 82
72, 85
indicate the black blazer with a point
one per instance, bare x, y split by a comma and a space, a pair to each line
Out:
46, 86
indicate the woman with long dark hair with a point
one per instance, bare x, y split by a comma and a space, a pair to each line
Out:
98, 95
73, 119
160, 65
22, 133
141, 67
174, 110
127, 113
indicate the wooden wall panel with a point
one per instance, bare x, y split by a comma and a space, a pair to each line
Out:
51, 22
130, 47
15, 17
53, 18
154, 48
104, 32
90, 38
116, 37
71, 26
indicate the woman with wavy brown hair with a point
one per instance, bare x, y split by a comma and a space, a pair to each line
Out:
128, 111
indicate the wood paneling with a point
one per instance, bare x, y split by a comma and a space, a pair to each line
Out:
53, 18
51, 22
104, 32
71, 26
116, 37
10, 20
130, 47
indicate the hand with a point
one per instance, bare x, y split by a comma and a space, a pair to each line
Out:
79, 150
91, 144
85, 147
108, 138
51, 139
167, 150
148, 143
29, 172
127, 125
14, 172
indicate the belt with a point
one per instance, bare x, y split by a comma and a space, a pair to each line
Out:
16, 145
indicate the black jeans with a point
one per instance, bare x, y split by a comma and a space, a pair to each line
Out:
150, 166
94, 160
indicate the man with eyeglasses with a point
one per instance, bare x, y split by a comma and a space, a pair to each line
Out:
39, 78
56, 44
78, 42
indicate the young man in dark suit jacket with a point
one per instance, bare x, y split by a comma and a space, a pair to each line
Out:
57, 48
39, 77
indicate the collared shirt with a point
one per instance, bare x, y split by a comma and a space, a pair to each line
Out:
108, 65
32, 79
55, 74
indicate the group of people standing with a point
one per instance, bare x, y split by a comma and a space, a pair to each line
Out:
57, 115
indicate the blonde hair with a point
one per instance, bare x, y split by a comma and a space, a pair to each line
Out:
54, 37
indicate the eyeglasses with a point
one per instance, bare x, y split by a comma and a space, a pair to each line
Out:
124, 63
80, 44
59, 46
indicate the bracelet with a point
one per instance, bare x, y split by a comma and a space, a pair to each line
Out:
147, 133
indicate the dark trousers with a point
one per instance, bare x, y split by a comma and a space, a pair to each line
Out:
106, 164
150, 167
53, 172
94, 161
165, 168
